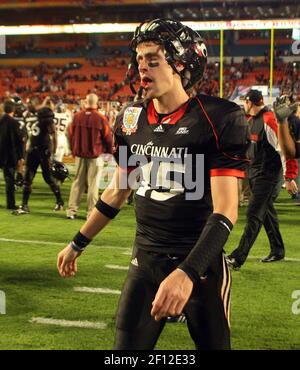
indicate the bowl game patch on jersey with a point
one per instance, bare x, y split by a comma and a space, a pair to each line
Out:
130, 120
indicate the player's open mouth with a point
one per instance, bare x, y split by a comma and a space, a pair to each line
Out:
146, 81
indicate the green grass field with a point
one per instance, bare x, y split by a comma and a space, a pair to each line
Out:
262, 301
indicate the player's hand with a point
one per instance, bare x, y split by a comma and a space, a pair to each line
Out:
283, 109
20, 165
67, 262
172, 295
291, 187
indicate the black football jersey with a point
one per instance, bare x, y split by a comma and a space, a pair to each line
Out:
40, 127
265, 159
22, 129
30, 122
173, 157
21, 121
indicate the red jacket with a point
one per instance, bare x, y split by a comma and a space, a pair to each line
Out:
291, 169
90, 134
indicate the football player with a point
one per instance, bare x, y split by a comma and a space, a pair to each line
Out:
187, 154
11, 150
41, 144
20, 117
62, 119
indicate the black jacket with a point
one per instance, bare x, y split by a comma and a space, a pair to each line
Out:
265, 159
11, 144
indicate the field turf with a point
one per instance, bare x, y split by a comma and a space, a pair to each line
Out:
261, 317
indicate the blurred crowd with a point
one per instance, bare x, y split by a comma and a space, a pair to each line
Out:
46, 79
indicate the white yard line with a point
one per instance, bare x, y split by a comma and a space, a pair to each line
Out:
96, 290
68, 323
117, 267
126, 252
41, 242
29, 241
288, 259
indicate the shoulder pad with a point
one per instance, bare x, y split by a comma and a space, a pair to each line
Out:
228, 121
217, 106
234, 131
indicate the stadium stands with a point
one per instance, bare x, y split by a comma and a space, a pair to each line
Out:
108, 81
78, 64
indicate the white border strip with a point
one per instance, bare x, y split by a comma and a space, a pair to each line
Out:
252, 24
96, 290
68, 323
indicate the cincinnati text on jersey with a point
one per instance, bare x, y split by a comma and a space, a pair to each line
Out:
156, 151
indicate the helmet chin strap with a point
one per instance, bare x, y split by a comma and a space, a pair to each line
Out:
139, 96
133, 90
184, 74
140, 92
186, 77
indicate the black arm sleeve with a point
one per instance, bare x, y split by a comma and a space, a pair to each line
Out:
208, 247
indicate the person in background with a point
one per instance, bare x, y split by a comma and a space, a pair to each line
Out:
90, 139
40, 150
62, 119
11, 151
287, 113
265, 177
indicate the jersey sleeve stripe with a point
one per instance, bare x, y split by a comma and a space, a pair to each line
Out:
270, 120
227, 172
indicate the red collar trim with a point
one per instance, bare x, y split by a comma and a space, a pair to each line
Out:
170, 119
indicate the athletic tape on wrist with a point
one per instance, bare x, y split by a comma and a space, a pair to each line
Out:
79, 242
